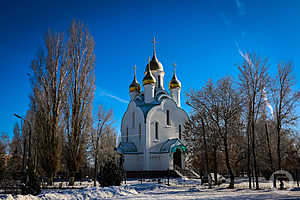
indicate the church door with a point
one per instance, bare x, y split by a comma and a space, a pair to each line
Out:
177, 158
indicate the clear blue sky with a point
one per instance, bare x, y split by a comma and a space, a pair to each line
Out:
202, 37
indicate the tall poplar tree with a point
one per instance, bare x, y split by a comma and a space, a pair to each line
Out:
80, 90
48, 81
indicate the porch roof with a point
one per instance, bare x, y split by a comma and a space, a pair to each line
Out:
171, 145
127, 148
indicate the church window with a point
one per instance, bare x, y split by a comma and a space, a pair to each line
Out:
159, 84
133, 120
126, 134
179, 130
168, 118
156, 130
140, 132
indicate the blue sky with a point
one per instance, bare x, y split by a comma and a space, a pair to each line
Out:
201, 37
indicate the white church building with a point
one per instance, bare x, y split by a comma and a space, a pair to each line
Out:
152, 125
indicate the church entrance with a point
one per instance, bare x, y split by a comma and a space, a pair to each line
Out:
177, 158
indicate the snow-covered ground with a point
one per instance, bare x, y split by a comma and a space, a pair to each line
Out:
178, 189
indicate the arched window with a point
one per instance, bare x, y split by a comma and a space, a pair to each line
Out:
159, 83
133, 119
156, 130
168, 118
126, 134
140, 131
179, 130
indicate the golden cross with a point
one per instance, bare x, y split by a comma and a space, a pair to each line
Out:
134, 70
174, 67
154, 42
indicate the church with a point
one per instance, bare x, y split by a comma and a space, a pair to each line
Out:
152, 125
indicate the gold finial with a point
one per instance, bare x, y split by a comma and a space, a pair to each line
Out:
174, 64
174, 83
134, 70
134, 86
154, 42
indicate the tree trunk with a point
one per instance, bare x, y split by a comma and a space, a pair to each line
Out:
269, 147
253, 176
72, 179
248, 156
50, 180
24, 154
278, 147
95, 170
215, 164
231, 185
206, 154
254, 154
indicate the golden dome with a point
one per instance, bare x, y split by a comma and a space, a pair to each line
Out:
154, 63
149, 78
134, 86
174, 83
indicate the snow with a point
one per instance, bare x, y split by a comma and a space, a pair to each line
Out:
178, 189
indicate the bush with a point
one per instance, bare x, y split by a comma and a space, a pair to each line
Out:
267, 173
33, 185
110, 174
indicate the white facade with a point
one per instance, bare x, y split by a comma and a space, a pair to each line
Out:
151, 127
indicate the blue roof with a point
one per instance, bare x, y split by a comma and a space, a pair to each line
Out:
146, 107
127, 148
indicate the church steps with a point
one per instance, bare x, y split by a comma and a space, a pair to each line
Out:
186, 173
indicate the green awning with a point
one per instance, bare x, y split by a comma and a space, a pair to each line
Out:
171, 145
174, 148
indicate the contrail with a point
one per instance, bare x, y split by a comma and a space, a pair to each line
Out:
115, 97
244, 55
104, 93
241, 7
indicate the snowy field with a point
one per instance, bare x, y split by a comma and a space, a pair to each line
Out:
178, 189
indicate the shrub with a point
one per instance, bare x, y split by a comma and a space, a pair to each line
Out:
110, 174
33, 185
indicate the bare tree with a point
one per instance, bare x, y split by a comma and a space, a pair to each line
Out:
3, 153
285, 101
15, 152
48, 81
197, 129
34, 143
229, 105
192, 139
107, 147
104, 122
253, 78
265, 145
80, 91
222, 107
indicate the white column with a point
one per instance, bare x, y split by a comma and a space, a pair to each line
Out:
159, 76
149, 93
175, 94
